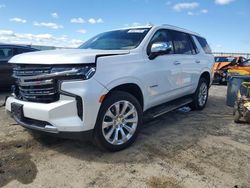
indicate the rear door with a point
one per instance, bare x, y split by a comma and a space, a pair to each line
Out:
186, 55
5, 68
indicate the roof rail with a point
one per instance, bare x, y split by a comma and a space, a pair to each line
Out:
181, 29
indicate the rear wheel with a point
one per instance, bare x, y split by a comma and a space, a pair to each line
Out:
118, 121
200, 95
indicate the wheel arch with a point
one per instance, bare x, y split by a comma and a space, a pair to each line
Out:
131, 88
206, 74
131, 85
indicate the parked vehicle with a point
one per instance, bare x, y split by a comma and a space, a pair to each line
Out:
6, 53
104, 89
242, 104
241, 69
222, 65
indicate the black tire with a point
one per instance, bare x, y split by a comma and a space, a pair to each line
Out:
111, 99
195, 105
223, 82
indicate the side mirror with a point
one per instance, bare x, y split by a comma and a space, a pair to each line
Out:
159, 48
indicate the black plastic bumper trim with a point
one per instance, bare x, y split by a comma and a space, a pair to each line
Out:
79, 104
82, 135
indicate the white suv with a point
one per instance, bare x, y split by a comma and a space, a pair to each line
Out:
103, 89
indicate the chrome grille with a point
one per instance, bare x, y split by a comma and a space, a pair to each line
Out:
34, 85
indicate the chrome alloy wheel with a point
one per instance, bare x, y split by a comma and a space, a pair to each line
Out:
203, 94
120, 122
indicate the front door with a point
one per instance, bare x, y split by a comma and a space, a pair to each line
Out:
163, 80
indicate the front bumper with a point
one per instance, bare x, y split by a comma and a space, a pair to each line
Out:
52, 131
220, 77
61, 118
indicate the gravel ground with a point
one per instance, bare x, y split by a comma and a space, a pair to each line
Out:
195, 149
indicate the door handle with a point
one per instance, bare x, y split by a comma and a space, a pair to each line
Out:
197, 61
177, 63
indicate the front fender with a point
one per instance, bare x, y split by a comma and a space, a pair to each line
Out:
128, 80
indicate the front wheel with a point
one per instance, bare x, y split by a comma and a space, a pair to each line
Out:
200, 96
118, 121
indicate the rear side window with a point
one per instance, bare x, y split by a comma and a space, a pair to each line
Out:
204, 45
193, 45
182, 43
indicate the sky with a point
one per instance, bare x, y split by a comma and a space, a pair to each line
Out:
68, 23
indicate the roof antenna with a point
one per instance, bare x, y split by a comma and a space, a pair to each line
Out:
150, 24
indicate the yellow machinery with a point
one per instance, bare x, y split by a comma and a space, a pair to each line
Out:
242, 103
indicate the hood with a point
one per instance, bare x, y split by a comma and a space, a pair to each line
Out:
72, 56
221, 65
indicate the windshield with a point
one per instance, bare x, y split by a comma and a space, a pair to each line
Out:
224, 59
117, 40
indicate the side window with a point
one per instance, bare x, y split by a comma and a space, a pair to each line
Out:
242, 59
6, 53
194, 48
21, 50
182, 43
162, 35
246, 63
204, 45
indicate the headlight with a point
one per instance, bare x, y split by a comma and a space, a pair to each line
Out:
85, 72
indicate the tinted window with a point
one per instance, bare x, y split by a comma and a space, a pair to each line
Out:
22, 50
224, 59
6, 53
193, 46
240, 60
244, 59
204, 45
247, 63
117, 40
182, 43
161, 36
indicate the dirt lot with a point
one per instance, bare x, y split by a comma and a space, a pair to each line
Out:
194, 149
